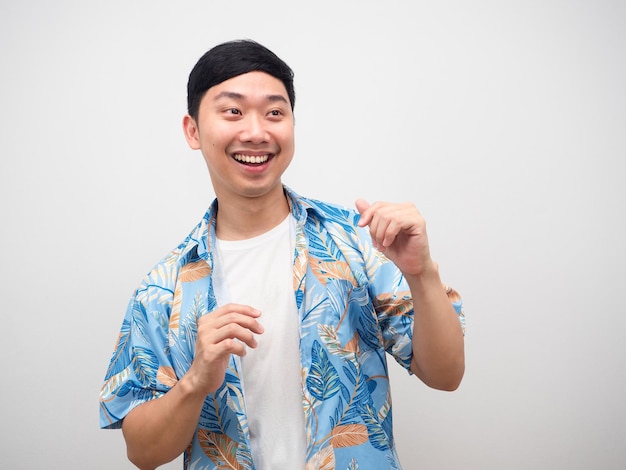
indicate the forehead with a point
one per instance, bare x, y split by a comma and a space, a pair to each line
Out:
249, 86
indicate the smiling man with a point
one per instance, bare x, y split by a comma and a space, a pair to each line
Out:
261, 341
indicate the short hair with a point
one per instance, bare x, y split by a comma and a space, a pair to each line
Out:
230, 59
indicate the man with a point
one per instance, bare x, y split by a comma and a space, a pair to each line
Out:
260, 341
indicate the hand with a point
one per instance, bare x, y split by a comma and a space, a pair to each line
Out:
225, 331
399, 232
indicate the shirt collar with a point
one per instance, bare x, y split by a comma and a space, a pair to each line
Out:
203, 237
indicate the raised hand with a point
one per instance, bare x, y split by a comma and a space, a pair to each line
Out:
398, 231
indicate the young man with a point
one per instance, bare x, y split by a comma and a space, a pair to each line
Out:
259, 343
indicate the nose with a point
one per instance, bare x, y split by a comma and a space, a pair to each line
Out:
254, 129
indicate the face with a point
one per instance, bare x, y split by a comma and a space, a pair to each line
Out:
245, 131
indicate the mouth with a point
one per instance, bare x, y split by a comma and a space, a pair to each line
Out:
253, 160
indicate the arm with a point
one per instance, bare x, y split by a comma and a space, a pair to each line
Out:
159, 430
399, 231
438, 345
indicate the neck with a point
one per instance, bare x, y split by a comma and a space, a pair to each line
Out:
242, 219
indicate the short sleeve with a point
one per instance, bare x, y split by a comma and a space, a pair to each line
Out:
394, 306
140, 368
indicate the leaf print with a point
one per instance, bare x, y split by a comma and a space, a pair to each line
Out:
339, 292
122, 339
161, 282
120, 359
235, 397
377, 436
111, 386
372, 259
220, 448
145, 364
348, 435
360, 395
167, 376
402, 349
187, 337
209, 416
139, 319
353, 465
384, 410
394, 303
325, 270
160, 317
175, 312
323, 460
194, 271
323, 380
345, 392
315, 308
320, 245
140, 394
368, 330
300, 264
198, 308
352, 346
328, 335
351, 372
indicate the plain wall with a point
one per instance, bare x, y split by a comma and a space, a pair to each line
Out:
504, 122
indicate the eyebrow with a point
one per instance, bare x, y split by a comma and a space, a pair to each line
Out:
239, 97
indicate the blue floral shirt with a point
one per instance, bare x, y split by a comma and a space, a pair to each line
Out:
354, 306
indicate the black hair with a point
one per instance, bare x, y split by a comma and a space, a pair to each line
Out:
230, 59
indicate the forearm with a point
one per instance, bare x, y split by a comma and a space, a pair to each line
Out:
438, 344
159, 430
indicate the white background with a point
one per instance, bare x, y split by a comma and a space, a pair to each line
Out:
505, 122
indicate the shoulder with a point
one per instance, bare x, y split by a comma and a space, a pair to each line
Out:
161, 280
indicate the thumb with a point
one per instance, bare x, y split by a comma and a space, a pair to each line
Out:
362, 205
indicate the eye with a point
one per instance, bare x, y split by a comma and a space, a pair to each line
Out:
233, 111
275, 113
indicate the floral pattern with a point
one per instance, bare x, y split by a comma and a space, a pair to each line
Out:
353, 305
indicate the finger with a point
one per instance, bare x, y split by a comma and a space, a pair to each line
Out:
243, 315
239, 308
380, 221
234, 332
390, 233
215, 343
219, 322
211, 354
231, 346
386, 232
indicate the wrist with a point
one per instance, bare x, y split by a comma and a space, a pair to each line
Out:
427, 275
190, 388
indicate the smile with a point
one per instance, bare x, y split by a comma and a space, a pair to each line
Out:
252, 159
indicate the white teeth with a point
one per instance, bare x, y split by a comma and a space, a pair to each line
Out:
251, 158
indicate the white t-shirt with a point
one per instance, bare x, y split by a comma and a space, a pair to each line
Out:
259, 272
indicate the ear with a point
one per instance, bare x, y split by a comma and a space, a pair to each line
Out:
190, 129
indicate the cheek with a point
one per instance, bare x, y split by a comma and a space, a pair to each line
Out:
215, 140
287, 139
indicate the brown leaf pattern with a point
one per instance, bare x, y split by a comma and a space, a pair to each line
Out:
220, 448
325, 270
348, 435
194, 271
167, 376
393, 304
323, 460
